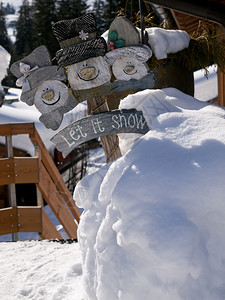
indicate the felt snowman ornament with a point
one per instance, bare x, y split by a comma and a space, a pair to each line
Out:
82, 54
128, 57
41, 85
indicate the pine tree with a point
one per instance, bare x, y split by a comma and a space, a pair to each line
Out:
4, 40
24, 27
71, 9
99, 12
112, 7
44, 16
9, 9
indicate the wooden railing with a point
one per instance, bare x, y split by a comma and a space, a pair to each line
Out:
42, 171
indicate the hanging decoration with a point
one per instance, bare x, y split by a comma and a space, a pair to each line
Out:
82, 53
42, 86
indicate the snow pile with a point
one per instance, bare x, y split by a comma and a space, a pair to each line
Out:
4, 64
206, 89
153, 222
163, 41
40, 271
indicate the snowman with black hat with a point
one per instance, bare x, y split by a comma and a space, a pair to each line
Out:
82, 54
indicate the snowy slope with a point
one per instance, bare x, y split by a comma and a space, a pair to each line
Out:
40, 271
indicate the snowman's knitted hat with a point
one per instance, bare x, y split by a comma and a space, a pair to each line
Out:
33, 70
77, 39
123, 40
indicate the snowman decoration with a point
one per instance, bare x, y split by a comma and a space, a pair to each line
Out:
82, 54
42, 86
128, 57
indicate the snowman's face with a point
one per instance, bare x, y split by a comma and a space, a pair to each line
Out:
51, 94
90, 73
126, 68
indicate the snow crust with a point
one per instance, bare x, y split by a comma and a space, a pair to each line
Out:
153, 222
163, 41
4, 63
206, 88
40, 271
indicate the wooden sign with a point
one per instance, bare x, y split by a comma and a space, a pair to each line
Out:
107, 123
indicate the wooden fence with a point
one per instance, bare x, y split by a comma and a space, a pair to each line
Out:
42, 171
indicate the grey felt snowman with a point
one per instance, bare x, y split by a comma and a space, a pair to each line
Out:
82, 54
42, 86
128, 57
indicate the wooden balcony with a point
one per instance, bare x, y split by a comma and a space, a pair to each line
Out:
41, 171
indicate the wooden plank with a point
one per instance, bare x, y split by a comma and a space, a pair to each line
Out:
55, 175
12, 186
221, 88
29, 219
18, 170
48, 229
89, 73
7, 175
17, 128
107, 123
110, 143
8, 220
56, 203
26, 169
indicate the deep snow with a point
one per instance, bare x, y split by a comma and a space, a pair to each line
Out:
155, 217
40, 270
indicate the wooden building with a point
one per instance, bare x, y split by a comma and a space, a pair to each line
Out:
187, 16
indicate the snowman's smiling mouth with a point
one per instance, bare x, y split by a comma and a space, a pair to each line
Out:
129, 73
88, 79
49, 103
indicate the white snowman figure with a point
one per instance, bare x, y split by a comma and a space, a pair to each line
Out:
41, 85
127, 56
82, 53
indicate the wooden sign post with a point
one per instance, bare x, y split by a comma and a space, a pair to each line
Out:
102, 124
110, 143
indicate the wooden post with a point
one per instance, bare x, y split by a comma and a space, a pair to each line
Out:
12, 186
110, 143
221, 88
37, 151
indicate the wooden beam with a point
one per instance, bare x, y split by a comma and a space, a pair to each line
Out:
8, 220
48, 229
110, 143
56, 202
7, 175
17, 128
18, 170
55, 175
221, 88
29, 219
26, 169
